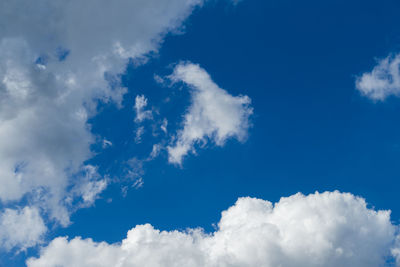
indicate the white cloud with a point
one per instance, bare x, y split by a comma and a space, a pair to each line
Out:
133, 173
155, 151
213, 115
21, 228
164, 126
138, 183
383, 80
140, 105
135, 169
56, 62
106, 143
88, 187
138, 135
329, 229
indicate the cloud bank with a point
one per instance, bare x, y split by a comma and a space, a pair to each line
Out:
329, 229
213, 115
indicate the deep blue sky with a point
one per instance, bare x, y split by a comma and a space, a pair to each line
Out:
297, 61
312, 131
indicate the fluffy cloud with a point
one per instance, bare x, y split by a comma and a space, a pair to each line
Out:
328, 229
43, 131
21, 228
140, 105
383, 80
213, 115
58, 59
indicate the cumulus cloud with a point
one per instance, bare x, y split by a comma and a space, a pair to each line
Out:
214, 115
140, 105
329, 229
383, 80
57, 61
22, 228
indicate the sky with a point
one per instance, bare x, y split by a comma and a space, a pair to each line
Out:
199, 133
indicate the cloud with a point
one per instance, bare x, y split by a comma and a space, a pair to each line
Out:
89, 184
155, 151
164, 126
383, 80
214, 115
138, 135
58, 61
141, 113
22, 228
135, 169
329, 229
106, 143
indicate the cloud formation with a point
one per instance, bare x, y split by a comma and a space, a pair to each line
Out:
213, 115
21, 228
329, 229
140, 105
58, 59
383, 80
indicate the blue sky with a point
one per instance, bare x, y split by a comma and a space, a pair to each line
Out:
313, 127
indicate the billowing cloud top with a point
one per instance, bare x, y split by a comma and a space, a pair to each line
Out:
329, 229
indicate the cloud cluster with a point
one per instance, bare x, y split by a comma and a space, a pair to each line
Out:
383, 80
58, 59
329, 229
213, 115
